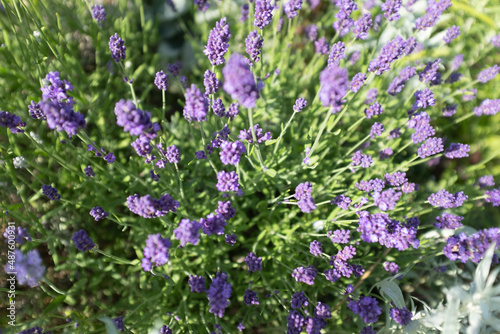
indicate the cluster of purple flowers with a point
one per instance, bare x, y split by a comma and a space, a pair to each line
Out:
132, 119
391, 9
260, 136
253, 44
28, 267
305, 275
239, 81
20, 234
342, 268
434, 11
98, 213
342, 201
117, 48
263, 13
339, 236
391, 267
373, 110
400, 315
462, 247
99, 14
218, 294
197, 283
388, 232
213, 224
196, 107
149, 207
82, 241
360, 159
388, 54
218, 42
303, 194
446, 200
156, 252
250, 297
161, 80
227, 181
51, 192
188, 231
367, 308
12, 122
334, 86
231, 152
488, 107
210, 82
447, 220
253, 262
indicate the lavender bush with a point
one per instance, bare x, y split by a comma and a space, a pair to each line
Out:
293, 167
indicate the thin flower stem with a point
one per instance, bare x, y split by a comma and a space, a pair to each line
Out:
180, 181
208, 155
118, 260
257, 149
283, 133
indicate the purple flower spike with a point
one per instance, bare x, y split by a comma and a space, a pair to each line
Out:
231, 152
98, 213
188, 232
263, 13
362, 26
51, 192
253, 44
161, 80
197, 283
336, 54
28, 268
367, 308
149, 207
391, 9
300, 104
373, 110
446, 200
117, 47
196, 107
132, 119
315, 248
292, 8
250, 297
455, 151
156, 252
357, 82
218, 42
227, 181
431, 146
82, 241
321, 46
253, 262
218, 294
388, 54
433, 13
401, 316
239, 81
210, 82
99, 14
305, 275
488, 74
451, 34
334, 86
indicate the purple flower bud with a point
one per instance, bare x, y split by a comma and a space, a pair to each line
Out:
253, 44
488, 74
457, 150
239, 81
431, 146
391, 9
99, 14
452, 33
218, 42
82, 241
117, 47
362, 26
98, 213
161, 80
357, 82
337, 52
334, 86
263, 13
196, 106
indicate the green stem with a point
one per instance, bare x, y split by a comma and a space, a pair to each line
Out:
257, 149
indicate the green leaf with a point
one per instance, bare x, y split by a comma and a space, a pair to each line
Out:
271, 172
272, 141
53, 304
392, 291
110, 325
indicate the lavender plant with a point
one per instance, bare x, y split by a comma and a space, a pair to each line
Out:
304, 166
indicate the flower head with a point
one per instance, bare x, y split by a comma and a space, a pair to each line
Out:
117, 47
239, 81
